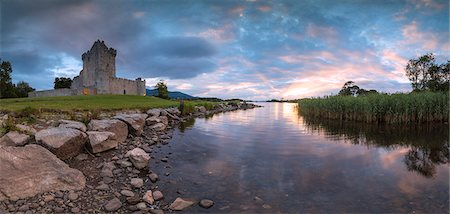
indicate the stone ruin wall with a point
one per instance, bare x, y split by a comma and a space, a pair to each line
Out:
53, 93
125, 86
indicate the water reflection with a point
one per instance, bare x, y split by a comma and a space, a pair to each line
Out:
428, 145
299, 165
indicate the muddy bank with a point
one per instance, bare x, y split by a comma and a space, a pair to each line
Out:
115, 158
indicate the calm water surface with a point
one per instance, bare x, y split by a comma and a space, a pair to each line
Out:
273, 160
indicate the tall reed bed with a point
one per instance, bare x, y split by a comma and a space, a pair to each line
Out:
380, 108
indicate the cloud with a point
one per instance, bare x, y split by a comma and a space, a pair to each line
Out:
248, 49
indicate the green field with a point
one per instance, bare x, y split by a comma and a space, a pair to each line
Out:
380, 108
86, 103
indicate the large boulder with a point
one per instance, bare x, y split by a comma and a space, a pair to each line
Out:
135, 122
138, 157
200, 109
65, 143
173, 111
30, 170
101, 141
14, 139
115, 126
72, 124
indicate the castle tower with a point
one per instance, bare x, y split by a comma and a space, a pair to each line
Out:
99, 67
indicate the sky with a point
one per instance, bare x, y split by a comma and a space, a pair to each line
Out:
252, 49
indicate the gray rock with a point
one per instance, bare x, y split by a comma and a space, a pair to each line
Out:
82, 157
75, 210
26, 129
141, 205
135, 122
138, 157
205, 203
153, 177
158, 127
107, 170
157, 195
14, 139
65, 143
113, 205
164, 120
181, 204
115, 126
73, 125
154, 112
102, 141
127, 193
152, 120
72, 196
102, 187
137, 182
30, 170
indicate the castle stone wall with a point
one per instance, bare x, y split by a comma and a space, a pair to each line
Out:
53, 93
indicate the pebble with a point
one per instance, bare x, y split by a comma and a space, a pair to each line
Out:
157, 195
102, 187
108, 180
133, 200
153, 177
24, 208
266, 206
164, 159
205, 203
148, 197
48, 198
137, 182
127, 193
81, 157
72, 196
141, 205
75, 210
113, 205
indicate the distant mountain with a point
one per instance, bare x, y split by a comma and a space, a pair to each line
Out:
172, 94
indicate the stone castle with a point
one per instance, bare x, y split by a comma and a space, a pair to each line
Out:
98, 76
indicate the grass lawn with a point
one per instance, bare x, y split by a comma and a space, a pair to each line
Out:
85, 103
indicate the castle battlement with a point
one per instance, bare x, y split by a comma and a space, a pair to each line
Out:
99, 75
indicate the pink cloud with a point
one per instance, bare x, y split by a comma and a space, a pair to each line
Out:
329, 34
413, 36
264, 8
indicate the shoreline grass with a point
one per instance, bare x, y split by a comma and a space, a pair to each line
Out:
409, 108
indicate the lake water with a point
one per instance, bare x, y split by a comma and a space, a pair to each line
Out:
272, 160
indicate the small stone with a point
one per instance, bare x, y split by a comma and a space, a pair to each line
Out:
108, 180
127, 193
205, 203
58, 209
102, 187
137, 182
24, 208
153, 177
156, 211
164, 159
141, 206
148, 197
113, 205
157, 195
48, 198
81, 157
181, 204
133, 200
125, 163
266, 206
75, 210
72, 196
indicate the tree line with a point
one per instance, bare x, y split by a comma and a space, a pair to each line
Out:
423, 72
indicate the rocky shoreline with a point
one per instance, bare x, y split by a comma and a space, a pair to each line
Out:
102, 166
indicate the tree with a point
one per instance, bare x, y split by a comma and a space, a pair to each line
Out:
349, 89
6, 86
62, 82
22, 89
425, 74
162, 90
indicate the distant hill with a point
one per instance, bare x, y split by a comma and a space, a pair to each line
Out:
172, 94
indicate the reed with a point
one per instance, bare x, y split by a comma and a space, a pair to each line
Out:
398, 108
